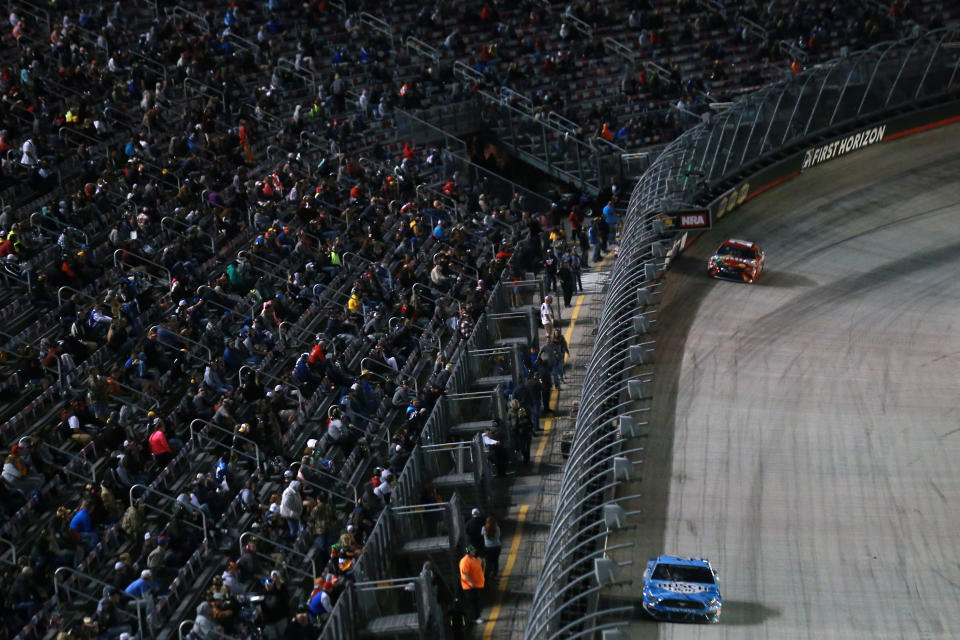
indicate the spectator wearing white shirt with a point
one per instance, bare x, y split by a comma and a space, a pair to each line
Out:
546, 315
385, 488
28, 153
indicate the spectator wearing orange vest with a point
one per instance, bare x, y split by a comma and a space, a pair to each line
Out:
472, 580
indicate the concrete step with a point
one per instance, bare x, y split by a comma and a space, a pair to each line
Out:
489, 382
469, 428
454, 480
393, 626
427, 545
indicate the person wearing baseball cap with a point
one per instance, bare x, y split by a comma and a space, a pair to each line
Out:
300, 627
472, 580
474, 528
142, 586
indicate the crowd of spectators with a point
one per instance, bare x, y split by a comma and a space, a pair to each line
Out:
192, 283
592, 59
221, 264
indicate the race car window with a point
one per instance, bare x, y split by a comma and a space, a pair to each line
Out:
737, 252
683, 573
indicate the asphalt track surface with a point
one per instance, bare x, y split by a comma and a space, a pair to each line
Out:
807, 427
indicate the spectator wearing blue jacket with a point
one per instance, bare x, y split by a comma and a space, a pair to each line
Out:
82, 525
321, 604
142, 586
610, 216
595, 241
301, 370
234, 355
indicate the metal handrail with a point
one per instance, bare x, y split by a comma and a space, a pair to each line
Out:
377, 24
437, 295
194, 435
187, 504
209, 351
213, 242
153, 403
511, 97
752, 27
203, 89
269, 376
476, 271
302, 332
399, 374
177, 10
73, 456
618, 48
579, 25
297, 70
307, 558
276, 265
793, 51
297, 468
116, 264
124, 115
558, 120
467, 72
249, 45
65, 131
421, 47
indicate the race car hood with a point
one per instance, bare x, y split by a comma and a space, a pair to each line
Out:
729, 260
682, 590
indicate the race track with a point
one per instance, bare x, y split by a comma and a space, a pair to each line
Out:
808, 433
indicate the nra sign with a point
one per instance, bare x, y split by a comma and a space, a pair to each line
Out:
695, 219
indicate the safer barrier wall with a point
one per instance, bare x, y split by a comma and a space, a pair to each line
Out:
888, 91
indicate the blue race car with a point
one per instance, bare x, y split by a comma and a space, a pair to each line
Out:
681, 589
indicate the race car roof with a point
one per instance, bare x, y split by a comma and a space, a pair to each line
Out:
740, 243
690, 562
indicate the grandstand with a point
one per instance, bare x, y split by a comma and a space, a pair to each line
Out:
261, 293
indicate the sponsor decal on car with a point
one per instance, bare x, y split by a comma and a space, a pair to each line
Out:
683, 587
843, 146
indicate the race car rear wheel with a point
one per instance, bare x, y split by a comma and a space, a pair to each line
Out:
747, 277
